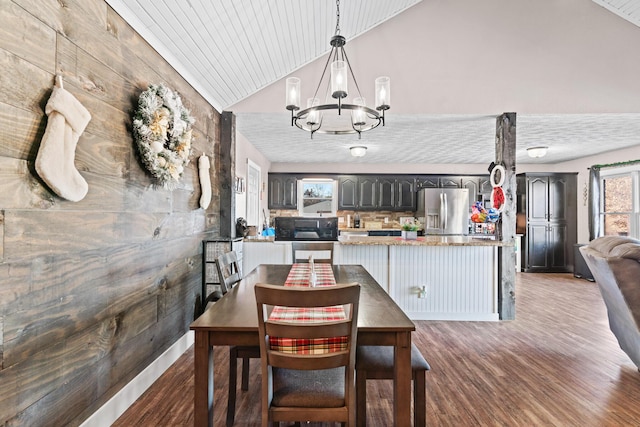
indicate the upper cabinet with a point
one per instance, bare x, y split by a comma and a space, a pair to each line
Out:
397, 193
387, 190
405, 196
357, 192
484, 187
283, 191
547, 197
376, 192
449, 182
348, 192
368, 192
427, 181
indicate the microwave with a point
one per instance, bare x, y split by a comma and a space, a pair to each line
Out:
306, 229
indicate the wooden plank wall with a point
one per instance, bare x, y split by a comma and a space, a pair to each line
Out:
90, 292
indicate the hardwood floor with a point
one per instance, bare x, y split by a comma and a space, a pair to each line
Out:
557, 364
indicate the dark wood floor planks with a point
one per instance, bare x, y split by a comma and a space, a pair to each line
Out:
557, 364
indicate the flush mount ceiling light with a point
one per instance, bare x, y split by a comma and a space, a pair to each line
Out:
536, 152
358, 151
312, 119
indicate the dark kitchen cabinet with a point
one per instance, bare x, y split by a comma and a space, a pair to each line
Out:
357, 192
377, 192
478, 185
348, 192
396, 193
368, 192
283, 191
449, 182
387, 193
426, 181
546, 248
484, 187
548, 204
472, 184
405, 194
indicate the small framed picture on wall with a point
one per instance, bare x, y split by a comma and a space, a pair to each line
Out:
239, 185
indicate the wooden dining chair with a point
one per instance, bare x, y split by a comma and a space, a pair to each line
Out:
230, 274
304, 379
376, 363
321, 251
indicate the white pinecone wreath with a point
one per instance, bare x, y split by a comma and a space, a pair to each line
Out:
162, 134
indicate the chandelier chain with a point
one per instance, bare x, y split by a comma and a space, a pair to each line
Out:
337, 16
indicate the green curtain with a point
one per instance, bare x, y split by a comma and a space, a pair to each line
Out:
594, 202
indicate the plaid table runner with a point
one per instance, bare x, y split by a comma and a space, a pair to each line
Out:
299, 276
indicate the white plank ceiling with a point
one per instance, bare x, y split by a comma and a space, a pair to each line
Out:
233, 48
236, 53
627, 9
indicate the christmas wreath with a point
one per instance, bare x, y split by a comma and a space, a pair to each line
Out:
162, 134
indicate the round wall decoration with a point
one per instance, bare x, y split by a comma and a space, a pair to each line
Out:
162, 134
497, 169
497, 194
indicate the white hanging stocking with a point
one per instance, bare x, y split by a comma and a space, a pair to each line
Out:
205, 181
56, 155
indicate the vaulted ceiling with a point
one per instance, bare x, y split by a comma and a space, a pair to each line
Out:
568, 69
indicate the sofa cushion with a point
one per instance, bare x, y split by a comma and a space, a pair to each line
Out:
627, 250
605, 245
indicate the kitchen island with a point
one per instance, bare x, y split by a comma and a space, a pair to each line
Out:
431, 278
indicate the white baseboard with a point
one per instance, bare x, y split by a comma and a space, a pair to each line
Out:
120, 402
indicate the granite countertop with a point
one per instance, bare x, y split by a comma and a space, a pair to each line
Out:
260, 239
398, 241
423, 241
365, 229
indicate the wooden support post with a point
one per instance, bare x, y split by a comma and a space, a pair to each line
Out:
227, 172
506, 230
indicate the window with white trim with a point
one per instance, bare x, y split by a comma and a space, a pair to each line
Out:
317, 197
620, 201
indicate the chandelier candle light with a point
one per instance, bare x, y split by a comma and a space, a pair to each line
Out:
362, 117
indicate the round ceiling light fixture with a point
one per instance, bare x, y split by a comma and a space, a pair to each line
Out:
537, 152
358, 150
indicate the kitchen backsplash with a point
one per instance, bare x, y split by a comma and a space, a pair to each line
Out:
392, 218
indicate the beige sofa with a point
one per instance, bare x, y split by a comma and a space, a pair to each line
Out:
615, 264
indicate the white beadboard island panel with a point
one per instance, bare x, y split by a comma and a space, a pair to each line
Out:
461, 281
460, 274
264, 252
374, 258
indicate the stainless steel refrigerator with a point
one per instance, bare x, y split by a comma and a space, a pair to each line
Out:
444, 210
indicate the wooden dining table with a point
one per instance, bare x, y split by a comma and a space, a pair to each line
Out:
233, 320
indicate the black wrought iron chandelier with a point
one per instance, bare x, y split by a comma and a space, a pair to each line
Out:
362, 118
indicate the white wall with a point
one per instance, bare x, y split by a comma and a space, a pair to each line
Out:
245, 150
